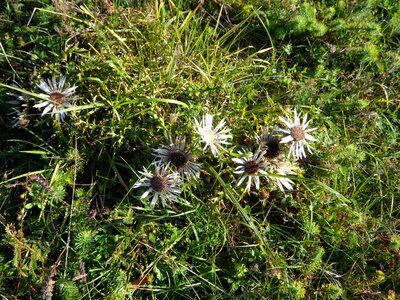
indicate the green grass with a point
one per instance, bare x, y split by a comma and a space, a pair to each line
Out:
145, 72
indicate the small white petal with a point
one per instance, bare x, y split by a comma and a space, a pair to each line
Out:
287, 183
154, 200
241, 180
40, 105
44, 87
310, 130
305, 123
310, 137
237, 160
302, 152
286, 139
291, 149
297, 118
257, 182
287, 131
146, 193
61, 83
61, 116
289, 125
70, 91
53, 84
248, 185
47, 109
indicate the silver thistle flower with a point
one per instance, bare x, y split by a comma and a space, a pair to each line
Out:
298, 134
180, 159
213, 137
23, 107
161, 183
269, 142
250, 167
58, 97
282, 168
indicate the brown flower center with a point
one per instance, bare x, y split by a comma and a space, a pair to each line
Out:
158, 183
297, 133
251, 167
178, 158
58, 98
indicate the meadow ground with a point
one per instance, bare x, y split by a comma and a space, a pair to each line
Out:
199, 149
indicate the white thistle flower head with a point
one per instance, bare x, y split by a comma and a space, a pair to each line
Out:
214, 137
270, 143
58, 97
283, 168
298, 134
161, 183
23, 109
176, 156
20, 118
18, 97
250, 167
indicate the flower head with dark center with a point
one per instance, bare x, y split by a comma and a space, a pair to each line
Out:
298, 134
214, 137
250, 167
23, 107
271, 144
176, 156
20, 118
58, 97
162, 183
